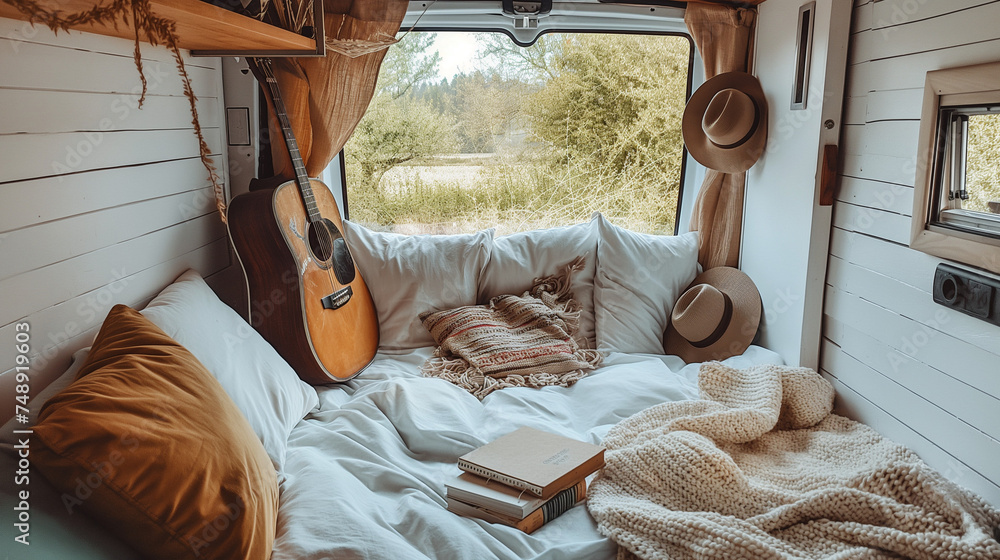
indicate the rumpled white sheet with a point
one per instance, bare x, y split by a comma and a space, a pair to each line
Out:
364, 475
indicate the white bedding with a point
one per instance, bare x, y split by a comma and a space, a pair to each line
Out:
364, 474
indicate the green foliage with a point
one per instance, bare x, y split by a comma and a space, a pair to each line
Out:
983, 168
398, 127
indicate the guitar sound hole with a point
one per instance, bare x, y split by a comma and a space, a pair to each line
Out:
329, 249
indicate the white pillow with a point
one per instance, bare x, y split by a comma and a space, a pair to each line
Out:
8, 438
639, 277
410, 274
517, 259
261, 383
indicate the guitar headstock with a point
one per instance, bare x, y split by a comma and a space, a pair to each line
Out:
261, 68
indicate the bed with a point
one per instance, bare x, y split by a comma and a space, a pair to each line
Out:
352, 470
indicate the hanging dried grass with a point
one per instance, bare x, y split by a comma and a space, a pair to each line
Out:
292, 15
158, 31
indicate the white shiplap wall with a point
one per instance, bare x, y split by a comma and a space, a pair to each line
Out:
100, 202
921, 374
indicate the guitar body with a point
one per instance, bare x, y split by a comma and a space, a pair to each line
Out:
326, 330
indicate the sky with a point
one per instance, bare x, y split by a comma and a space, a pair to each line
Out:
458, 53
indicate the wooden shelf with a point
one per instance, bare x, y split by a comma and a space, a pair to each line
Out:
203, 28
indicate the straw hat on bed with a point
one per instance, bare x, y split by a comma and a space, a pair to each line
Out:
717, 317
725, 122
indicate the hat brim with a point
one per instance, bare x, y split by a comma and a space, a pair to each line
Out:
729, 160
742, 326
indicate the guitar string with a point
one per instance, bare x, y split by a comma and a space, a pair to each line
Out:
323, 235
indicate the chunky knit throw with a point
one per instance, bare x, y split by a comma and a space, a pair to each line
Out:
515, 341
760, 469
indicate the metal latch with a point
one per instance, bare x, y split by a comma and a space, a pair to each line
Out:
525, 12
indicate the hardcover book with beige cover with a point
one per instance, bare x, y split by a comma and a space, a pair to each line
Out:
541, 463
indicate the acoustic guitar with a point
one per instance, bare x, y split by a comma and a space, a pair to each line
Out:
308, 299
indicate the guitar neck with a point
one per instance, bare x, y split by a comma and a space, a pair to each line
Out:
301, 176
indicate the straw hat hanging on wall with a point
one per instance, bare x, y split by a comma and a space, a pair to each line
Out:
715, 318
725, 122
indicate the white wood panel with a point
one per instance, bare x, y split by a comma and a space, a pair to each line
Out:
79, 112
916, 371
858, 80
84, 314
855, 110
977, 449
872, 221
861, 18
908, 72
958, 28
852, 139
966, 362
89, 232
100, 202
874, 194
918, 305
890, 13
877, 167
902, 264
897, 139
895, 104
37, 66
860, 49
42, 200
44, 155
854, 405
20, 32
64, 280
977, 408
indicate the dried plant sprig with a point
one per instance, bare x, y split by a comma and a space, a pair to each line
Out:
292, 15
158, 31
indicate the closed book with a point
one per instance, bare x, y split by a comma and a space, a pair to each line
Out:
492, 495
549, 510
540, 462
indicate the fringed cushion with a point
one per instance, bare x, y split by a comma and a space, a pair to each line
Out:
514, 341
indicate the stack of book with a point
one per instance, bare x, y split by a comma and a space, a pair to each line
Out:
523, 479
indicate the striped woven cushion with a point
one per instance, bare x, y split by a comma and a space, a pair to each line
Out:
514, 341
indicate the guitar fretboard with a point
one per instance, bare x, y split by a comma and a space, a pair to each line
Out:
301, 176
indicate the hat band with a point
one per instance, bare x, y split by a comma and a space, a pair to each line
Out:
748, 135
727, 316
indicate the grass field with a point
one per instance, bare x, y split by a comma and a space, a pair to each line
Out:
459, 193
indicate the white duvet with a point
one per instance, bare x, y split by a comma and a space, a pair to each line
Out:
364, 474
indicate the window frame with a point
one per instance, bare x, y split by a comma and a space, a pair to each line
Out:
967, 86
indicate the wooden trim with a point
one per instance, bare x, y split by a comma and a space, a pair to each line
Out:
937, 242
200, 27
828, 176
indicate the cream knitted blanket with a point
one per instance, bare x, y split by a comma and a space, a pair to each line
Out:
760, 469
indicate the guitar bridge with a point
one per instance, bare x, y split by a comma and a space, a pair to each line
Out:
337, 299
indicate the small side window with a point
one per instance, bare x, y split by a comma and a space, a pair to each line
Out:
957, 197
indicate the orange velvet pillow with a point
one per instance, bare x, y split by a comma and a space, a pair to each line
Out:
149, 444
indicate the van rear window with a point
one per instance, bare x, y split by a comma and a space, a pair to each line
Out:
468, 131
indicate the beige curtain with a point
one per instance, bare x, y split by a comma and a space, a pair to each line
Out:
326, 97
723, 35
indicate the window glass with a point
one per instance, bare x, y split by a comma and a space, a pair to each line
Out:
468, 131
982, 174
968, 169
